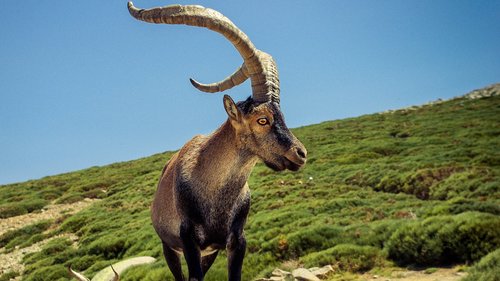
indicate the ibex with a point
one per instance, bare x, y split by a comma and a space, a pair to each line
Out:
202, 200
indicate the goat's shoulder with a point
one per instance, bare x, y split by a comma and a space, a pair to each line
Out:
189, 153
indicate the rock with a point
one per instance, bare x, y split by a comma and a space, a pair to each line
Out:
107, 273
323, 272
313, 268
279, 272
303, 274
281, 275
278, 278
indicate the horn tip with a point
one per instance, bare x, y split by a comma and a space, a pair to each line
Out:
195, 84
131, 8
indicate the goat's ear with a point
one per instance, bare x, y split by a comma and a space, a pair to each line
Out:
232, 110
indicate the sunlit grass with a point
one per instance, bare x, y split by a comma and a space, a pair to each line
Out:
369, 180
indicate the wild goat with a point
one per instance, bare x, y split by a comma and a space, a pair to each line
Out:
203, 198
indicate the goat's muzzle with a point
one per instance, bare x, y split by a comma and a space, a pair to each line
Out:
295, 157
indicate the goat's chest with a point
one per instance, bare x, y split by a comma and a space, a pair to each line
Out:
213, 212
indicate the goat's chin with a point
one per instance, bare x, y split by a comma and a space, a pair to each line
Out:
291, 165
283, 164
278, 167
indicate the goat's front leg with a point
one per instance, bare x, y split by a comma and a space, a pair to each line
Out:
191, 252
236, 243
235, 253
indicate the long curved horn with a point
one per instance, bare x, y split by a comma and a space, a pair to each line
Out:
259, 65
238, 77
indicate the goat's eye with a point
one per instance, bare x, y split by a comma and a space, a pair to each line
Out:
263, 121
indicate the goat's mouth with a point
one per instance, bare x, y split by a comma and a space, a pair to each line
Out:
283, 163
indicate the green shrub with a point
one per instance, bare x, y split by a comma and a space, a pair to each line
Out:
464, 183
75, 223
461, 205
83, 262
390, 183
48, 273
374, 234
24, 236
108, 246
156, 271
346, 257
56, 250
50, 263
445, 239
9, 275
473, 236
303, 241
34, 204
11, 210
417, 243
69, 198
487, 269
418, 182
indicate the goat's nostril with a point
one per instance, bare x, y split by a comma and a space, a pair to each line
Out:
301, 153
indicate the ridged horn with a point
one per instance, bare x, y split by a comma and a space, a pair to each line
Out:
238, 77
258, 65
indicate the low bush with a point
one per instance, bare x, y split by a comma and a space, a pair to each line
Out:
487, 269
9, 275
54, 256
303, 241
34, 204
108, 246
8, 210
346, 257
473, 236
419, 182
13, 209
24, 236
69, 198
53, 272
80, 263
445, 239
461, 205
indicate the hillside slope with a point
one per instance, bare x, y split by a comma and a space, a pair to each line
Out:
417, 186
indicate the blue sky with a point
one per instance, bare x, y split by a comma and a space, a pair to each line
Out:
83, 84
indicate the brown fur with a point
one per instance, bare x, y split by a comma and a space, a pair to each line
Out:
217, 167
203, 197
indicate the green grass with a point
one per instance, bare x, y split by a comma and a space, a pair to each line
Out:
25, 236
427, 177
487, 269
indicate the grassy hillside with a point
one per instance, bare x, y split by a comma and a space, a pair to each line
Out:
418, 186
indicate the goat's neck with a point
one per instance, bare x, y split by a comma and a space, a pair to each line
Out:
222, 160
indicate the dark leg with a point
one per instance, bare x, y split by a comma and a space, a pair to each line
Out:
236, 243
235, 254
191, 252
173, 262
207, 261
